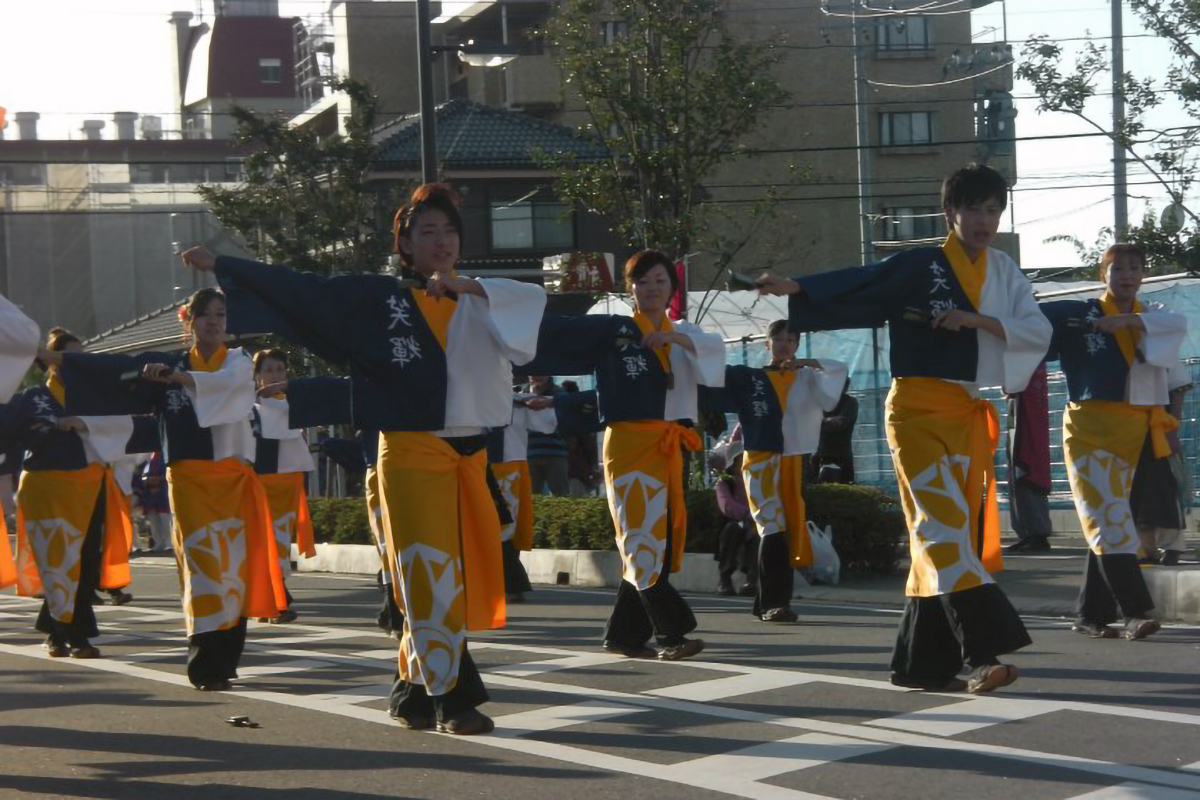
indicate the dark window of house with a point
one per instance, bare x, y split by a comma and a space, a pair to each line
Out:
903, 34
270, 70
904, 223
905, 127
531, 224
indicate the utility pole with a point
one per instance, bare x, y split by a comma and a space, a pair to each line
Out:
1120, 184
863, 138
425, 83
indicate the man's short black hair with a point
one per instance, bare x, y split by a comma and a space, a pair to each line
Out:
974, 183
776, 328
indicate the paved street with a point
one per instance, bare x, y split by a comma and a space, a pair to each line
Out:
787, 712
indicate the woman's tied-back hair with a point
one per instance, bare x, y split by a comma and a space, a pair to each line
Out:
58, 339
425, 197
1110, 255
268, 354
642, 262
198, 304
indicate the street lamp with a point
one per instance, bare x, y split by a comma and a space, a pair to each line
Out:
473, 54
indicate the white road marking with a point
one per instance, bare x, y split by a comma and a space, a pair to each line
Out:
778, 758
553, 717
531, 668
739, 773
953, 720
1135, 791
733, 686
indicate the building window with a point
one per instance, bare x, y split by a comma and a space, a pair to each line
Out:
905, 34
14, 174
234, 170
613, 31
905, 127
270, 70
531, 224
906, 223
149, 173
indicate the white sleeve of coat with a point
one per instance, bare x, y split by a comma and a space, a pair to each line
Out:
108, 436
708, 362
542, 420
227, 395
828, 381
514, 316
19, 339
1026, 330
273, 416
1165, 332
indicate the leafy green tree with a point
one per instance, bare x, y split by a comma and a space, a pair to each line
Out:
305, 200
670, 95
1168, 155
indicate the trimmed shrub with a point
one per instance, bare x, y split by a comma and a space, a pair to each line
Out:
868, 526
340, 520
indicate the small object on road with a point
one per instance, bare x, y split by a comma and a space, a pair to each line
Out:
241, 721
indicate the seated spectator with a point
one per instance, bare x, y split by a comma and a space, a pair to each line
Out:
737, 543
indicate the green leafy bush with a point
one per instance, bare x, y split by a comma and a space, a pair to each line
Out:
340, 520
868, 525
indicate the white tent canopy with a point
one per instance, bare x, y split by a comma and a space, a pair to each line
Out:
734, 315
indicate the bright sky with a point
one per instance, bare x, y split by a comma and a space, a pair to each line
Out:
113, 55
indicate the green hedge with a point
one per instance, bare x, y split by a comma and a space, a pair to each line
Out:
868, 526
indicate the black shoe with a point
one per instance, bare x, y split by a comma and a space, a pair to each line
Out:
467, 723
222, 685
948, 685
1170, 558
990, 678
725, 590
97, 600
1149, 560
85, 651
685, 649
514, 597
1140, 628
1096, 630
285, 616
119, 598
1038, 544
1019, 546
414, 722
779, 615
630, 652
56, 648
749, 590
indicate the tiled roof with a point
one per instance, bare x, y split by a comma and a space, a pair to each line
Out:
159, 330
474, 135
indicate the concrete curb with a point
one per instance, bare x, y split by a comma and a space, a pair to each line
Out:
1176, 591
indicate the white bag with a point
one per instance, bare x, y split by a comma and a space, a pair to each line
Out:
827, 565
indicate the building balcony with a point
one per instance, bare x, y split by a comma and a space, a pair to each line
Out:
534, 83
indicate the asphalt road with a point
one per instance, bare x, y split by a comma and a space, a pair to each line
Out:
787, 712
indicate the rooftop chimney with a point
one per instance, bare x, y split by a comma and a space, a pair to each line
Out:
125, 122
151, 127
27, 124
93, 129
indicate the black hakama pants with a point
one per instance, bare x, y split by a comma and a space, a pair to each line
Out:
1113, 587
659, 611
410, 700
213, 656
82, 626
776, 578
516, 579
940, 635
